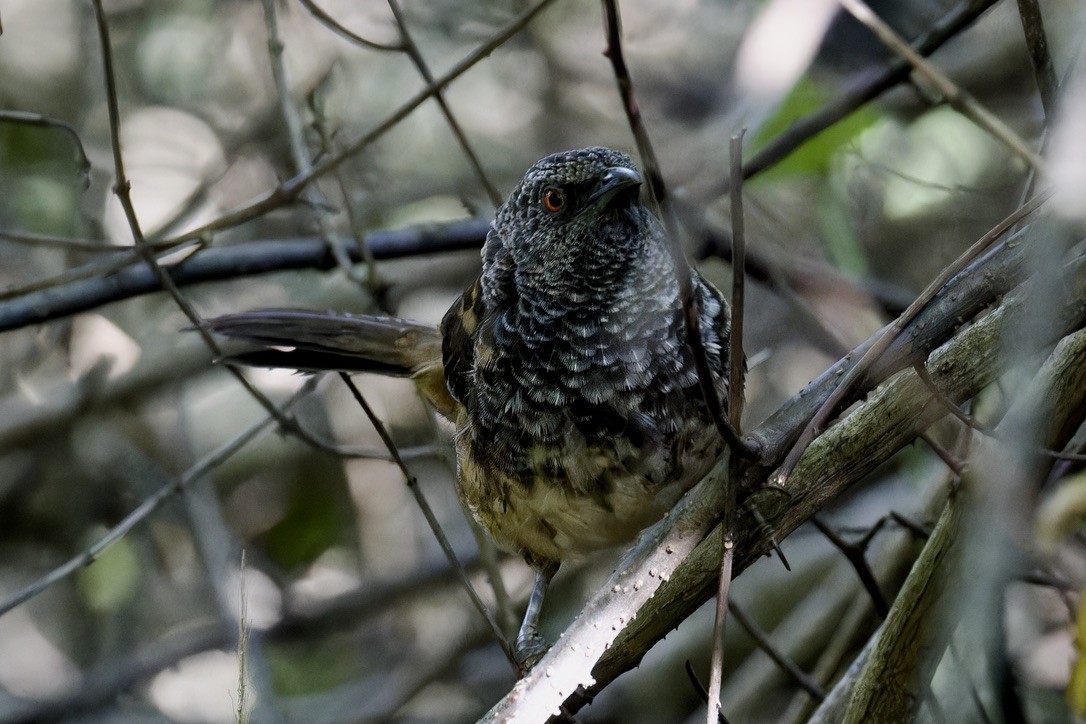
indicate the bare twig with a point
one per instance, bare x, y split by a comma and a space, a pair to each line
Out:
925, 377
783, 660
1037, 43
700, 688
736, 385
122, 189
960, 99
658, 194
415, 54
891, 331
336, 27
301, 156
736, 358
241, 713
289, 190
955, 465
431, 519
856, 558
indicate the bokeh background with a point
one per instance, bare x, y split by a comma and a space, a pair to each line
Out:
354, 612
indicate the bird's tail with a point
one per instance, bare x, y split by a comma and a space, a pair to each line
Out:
315, 341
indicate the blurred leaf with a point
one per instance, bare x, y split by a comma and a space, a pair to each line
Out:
111, 581
841, 242
318, 515
812, 157
304, 668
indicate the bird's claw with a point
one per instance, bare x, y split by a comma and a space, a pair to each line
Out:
529, 650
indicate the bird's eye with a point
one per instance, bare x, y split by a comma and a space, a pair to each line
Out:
554, 200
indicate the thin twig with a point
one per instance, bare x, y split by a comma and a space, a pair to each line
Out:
94, 246
856, 558
241, 714
736, 357
431, 519
149, 505
956, 466
40, 121
301, 156
289, 190
415, 54
891, 331
736, 384
783, 660
960, 99
659, 199
921, 370
122, 190
1037, 43
700, 688
336, 27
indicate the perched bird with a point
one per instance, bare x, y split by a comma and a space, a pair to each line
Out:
579, 419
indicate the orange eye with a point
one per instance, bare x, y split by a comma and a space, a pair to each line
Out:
554, 200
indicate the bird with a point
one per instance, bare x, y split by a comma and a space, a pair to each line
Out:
578, 415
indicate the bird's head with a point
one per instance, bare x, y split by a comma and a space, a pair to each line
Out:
575, 207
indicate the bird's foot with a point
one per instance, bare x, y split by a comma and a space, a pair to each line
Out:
529, 650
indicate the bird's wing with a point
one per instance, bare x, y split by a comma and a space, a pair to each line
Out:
458, 340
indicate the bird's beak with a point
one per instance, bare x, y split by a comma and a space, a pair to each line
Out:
615, 181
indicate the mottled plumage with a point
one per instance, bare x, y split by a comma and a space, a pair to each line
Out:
579, 419
582, 419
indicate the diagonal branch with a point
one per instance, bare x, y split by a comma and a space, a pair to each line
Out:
656, 586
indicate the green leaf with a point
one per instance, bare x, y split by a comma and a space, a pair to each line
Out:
814, 156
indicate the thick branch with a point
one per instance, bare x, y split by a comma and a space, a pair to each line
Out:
843, 455
231, 262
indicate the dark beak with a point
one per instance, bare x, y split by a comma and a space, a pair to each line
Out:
616, 182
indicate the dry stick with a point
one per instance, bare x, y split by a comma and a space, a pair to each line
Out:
241, 713
891, 331
948, 26
299, 148
961, 100
415, 54
921, 370
288, 190
122, 189
150, 505
855, 556
658, 194
700, 688
431, 519
334, 25
736, 385
233, 262
59, 242
783, 660
38, 120
303, 163
1037, 43
956, 466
